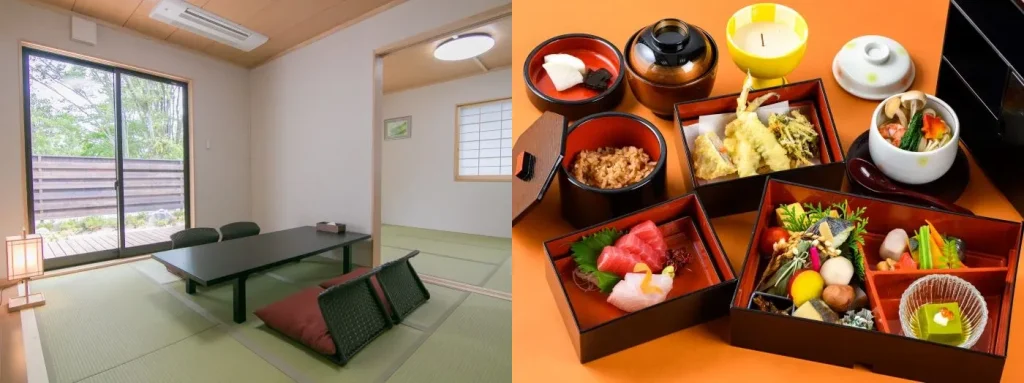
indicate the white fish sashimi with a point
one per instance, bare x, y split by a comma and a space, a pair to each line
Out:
627, 295
562, 75
567, 59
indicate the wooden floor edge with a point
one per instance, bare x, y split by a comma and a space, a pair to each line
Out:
91, 266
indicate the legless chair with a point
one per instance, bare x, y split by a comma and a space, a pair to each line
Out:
238, 230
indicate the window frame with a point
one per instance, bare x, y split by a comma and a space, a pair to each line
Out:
28, 50
458, 134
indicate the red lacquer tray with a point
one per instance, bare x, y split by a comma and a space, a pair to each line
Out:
700, 291
992, 250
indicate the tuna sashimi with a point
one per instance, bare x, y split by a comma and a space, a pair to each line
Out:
651, 234
633, 244
616, 261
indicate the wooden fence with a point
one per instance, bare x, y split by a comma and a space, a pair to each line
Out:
69, 187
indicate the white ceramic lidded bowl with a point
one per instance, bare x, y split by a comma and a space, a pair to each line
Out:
873, 67
908, 167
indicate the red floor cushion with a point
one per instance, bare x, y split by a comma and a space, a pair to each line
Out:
298, 317
356, 272
359, 271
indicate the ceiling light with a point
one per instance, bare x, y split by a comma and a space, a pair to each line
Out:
464, 47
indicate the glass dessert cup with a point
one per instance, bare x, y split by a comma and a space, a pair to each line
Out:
939, 289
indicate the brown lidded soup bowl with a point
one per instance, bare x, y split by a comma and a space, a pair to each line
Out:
578, 101
584, 205
668, 62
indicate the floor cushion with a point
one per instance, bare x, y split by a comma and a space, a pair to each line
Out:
359, 271
298, 317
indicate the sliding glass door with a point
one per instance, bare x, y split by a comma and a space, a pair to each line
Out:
107, 159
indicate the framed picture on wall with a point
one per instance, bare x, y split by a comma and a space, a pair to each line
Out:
398, 128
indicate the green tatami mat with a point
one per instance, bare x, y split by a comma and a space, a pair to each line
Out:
260, 290
310, 272
442, 300
474, 273
502, 279
155, 270
99, 319
448, 236
211, 356
450, 249
371, 364
473, 345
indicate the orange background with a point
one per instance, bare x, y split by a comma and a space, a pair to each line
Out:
541, 350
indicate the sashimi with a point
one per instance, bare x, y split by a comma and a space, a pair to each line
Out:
651, 234
639, 290
617, 261
643, 252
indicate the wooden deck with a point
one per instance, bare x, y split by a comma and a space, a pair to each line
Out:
87, 243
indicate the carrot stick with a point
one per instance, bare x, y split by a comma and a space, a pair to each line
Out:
935, 233
937, 242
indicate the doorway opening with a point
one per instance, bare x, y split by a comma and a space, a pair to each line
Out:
107, 152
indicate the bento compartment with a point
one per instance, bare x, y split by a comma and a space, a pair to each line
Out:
889, 287
972, 259
592, 308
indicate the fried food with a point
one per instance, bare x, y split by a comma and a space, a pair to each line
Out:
752, 136
711, 160
795, 134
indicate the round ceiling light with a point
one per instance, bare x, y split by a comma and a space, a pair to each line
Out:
464, 47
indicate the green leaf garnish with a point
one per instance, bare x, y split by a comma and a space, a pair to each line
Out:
605, 280
586, 250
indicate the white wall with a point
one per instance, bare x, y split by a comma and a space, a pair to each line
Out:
220, 111
312, 118
418, 181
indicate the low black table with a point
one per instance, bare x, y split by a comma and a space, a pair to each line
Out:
235, 259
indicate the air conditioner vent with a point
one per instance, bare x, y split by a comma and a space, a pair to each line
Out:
196, 20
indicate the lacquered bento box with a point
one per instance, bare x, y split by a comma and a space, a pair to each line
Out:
733, 195
700, 293
549, 147
991, 257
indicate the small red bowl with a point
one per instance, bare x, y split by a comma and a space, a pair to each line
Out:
584, 205
578, 101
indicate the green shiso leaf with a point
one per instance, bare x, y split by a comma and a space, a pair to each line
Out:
586, 250
585, 253
605, 281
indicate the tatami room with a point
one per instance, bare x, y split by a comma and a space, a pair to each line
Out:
257, 191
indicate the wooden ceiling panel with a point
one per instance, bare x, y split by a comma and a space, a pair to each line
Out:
225, 52
140, 21
288, 24
111, 11
189, 40
415, 66
282, 15
238, 11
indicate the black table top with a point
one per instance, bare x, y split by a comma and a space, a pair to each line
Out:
216, 262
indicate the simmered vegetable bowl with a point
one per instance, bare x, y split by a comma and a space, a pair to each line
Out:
912, 126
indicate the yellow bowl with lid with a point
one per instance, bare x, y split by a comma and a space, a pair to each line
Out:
768, 40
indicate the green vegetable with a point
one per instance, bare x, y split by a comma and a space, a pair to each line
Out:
914, 134
924, 252
949, 251
605, 280
586, 250
860, 223
793, 220
585, 253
